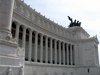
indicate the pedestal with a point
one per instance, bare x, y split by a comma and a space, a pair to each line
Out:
11, 58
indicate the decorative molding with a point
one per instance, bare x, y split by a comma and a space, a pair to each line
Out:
41, 18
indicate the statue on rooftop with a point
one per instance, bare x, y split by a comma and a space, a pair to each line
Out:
74, 23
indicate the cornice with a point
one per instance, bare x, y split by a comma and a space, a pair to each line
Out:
31, 24
94, 39
43, 17
78, 29
70, 31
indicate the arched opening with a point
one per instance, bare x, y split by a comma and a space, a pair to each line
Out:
27, 45
69, 54
44, 50
13, 29
38, 52
48, 50
57, 52
88, 70
65, 54
53, 51
33, 47
61, 52
20, 36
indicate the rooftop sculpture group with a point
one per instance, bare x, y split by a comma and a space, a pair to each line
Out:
74, 23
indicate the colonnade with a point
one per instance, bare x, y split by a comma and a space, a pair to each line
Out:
41, 48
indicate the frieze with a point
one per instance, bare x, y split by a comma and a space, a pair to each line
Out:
24, 21
40, 20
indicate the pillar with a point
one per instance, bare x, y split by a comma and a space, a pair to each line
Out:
51, 50
55, 48
73, 54
30, 45
71, 58
67, 55
41, 47
59, 52
46, 58
36, 45
63, 53
6, 12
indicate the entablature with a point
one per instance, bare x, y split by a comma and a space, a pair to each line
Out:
37, 19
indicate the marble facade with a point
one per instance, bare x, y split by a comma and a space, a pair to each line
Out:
31, 44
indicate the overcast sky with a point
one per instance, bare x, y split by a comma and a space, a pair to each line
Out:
86, 11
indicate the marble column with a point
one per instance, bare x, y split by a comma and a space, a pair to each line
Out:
17, 32
59, 52
51, 50
30, 45
6, 12
24, 37
36, 45
55, 48
46, 58
67, 55
63, 53
41, 47
71, 58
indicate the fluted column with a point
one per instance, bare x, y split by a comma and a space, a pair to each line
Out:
36, 45
30, 45
6, 12
24, 37
55, 48
17, 32
51, 50
63, 53
59, 52
41, 47
46, 58
67, 55
71, 58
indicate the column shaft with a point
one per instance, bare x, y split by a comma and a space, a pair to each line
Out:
67, 54
36, 45
51, 50
55, 51
71, 58
41, 47
46, 58
59, 52
6, 12
64, 53
30, 45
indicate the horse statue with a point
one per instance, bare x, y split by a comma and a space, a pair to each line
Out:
74, 23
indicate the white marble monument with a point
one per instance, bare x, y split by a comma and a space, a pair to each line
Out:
31, 44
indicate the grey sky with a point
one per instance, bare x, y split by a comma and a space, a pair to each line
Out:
86, 11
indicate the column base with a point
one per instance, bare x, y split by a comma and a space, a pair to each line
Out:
5, 34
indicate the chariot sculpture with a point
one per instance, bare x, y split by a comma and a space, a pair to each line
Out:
74, 23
